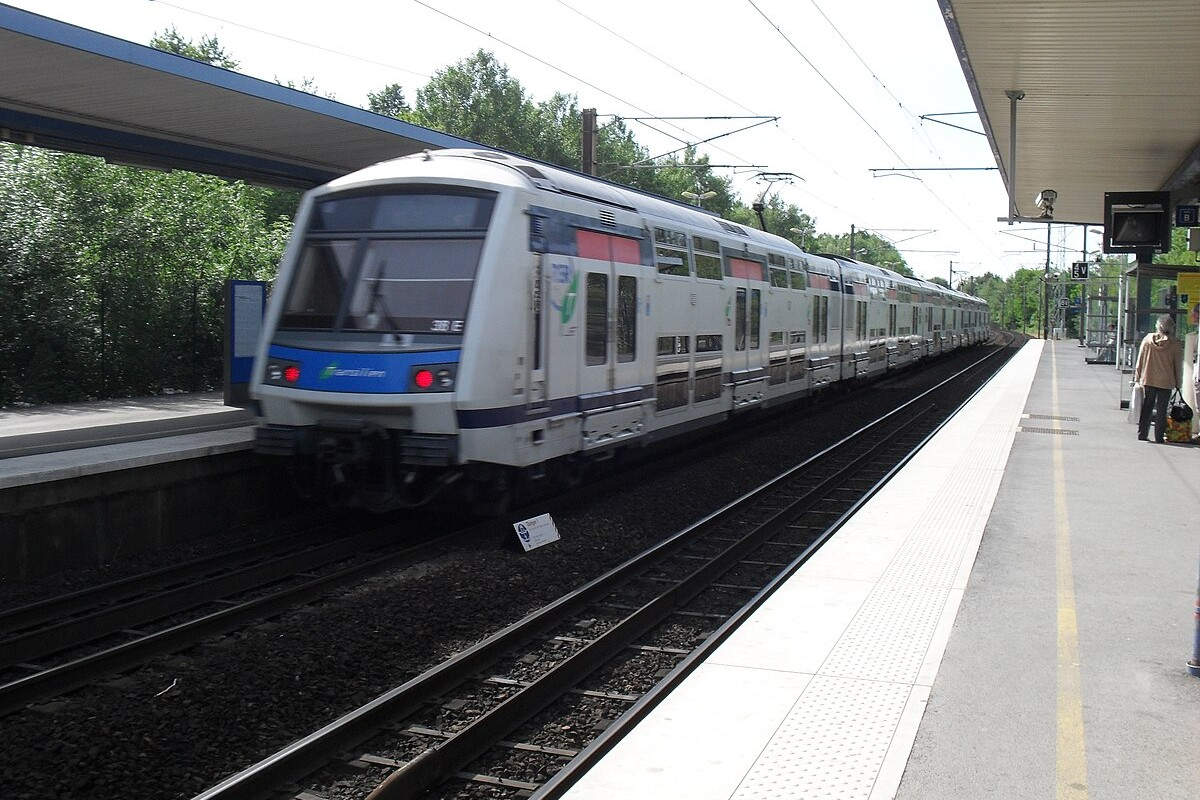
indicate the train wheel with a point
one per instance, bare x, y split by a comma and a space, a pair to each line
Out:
492, 493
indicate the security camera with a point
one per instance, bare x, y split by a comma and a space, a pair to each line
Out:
1045, 201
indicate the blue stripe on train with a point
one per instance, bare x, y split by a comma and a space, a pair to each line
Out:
368, 373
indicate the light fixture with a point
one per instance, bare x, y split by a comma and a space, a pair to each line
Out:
1045, 201
697, 198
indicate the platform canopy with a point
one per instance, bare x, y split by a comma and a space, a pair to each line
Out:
1112, 95
70, 88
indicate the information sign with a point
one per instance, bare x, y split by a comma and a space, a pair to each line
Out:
1186, 216
536, 531
1079, 270
1064, 302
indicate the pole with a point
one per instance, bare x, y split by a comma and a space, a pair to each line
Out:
1046, 290
852, 241
952, 273
1083, 301
588, 142
1013, 96
1194, 664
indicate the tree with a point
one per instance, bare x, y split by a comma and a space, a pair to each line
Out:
783, 219
940, 281
208, 49
867, 247
389, 101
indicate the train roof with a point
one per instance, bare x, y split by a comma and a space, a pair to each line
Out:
587, 187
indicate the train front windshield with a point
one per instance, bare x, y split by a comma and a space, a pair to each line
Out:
396, 262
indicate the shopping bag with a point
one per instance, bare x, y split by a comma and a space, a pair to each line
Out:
1178, 431
1135, 403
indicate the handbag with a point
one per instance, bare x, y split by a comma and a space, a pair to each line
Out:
1178, 409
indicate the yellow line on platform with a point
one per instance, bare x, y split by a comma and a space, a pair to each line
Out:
1070, 757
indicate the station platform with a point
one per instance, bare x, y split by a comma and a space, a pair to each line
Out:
50, 443
1009, 617
83, 483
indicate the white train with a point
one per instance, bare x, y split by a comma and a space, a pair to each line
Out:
469, 319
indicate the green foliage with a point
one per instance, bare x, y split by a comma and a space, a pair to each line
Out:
208, 49
867, 247
99, 265
389, 101
939, 280
1178, 255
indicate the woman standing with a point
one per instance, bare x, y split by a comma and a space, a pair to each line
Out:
1158, 372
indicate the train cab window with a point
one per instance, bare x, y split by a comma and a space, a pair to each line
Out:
755, 319
319, 283
626, 318
779, 278
708, 258
670, 252
739, 321
596, 323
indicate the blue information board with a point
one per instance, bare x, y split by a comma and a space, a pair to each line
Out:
245, 305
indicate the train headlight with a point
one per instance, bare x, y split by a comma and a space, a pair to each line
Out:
281, 372
433, 378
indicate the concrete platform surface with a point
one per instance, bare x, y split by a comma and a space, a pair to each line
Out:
45, 429
1065, 673
820, 693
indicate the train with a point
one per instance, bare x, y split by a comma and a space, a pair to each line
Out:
455, 324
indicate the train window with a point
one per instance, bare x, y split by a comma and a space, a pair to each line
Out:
708, 258
776, 260
943, 319
318, 285
892, 320
670, 252
673, 345
778, 357
755, 319
423, 211
739, 321
799, 279
916, 319
779, 277
929, 319
596, 323
860, 319
626, 318
708, 369
825, 319
816, 318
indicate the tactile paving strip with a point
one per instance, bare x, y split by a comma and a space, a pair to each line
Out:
831, 743
837, 734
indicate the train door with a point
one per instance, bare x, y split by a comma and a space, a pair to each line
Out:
748, 279
610, 387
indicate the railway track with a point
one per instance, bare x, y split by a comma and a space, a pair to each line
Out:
531, 707
57, 645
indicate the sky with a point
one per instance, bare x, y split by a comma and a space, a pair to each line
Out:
848, 80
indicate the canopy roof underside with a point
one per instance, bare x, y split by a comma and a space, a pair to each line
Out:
1112, 101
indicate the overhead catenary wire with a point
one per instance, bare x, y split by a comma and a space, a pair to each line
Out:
887, 144
281, 37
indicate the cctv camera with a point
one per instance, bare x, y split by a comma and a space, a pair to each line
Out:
1045, 201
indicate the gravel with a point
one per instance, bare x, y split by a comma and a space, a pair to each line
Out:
180, 724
